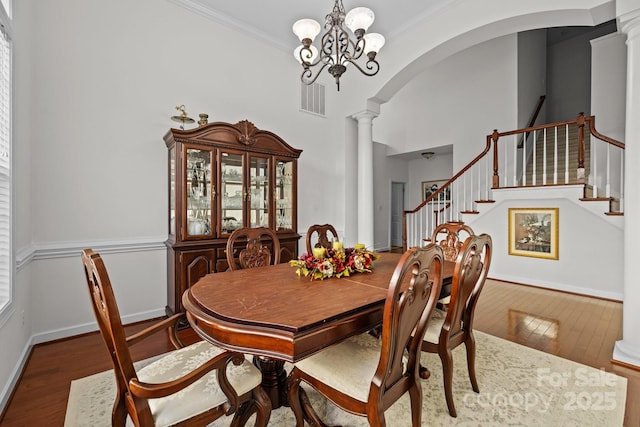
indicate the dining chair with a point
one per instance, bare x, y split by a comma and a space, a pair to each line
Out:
322, 239
450, 236
191, 385
252, 249
449, 329
365, 375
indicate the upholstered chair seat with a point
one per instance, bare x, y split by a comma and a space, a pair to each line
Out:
348, 367
434, 327
200, 396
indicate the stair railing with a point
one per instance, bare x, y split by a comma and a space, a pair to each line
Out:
560, 154
563, 161
457, 196
606, 177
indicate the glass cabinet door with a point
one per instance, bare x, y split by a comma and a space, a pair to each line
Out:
259, 191
232, 191
198, 192
172, 191
284, 195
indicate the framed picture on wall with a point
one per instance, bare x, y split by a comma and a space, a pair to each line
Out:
430, 187
533, 232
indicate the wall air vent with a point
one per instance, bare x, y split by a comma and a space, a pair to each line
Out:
312, 98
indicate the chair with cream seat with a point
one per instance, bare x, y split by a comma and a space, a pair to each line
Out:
192, 385
251, 246
323, 238
449, 329
365, 375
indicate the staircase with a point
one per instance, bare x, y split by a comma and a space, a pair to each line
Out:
552, 161
572, 155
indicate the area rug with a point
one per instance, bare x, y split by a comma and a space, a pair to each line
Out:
519, 386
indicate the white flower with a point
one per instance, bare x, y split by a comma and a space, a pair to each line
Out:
358, 261
327, 268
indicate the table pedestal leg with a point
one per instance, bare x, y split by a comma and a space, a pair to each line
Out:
274, 380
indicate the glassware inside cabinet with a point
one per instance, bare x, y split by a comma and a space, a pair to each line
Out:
284, 195
232, 191
259, 191
198, 188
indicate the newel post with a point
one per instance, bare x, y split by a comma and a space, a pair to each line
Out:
496, 177
580, 171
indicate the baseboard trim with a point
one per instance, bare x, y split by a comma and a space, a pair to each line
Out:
71, 331
14, 378
562, 287
625, 355
61, 333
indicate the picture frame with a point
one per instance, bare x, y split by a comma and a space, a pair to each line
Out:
430, 187
533, 232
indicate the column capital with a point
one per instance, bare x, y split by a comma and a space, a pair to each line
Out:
629, 23
365, 114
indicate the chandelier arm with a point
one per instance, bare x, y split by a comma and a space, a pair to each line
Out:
371, 65
307, 76
358, 50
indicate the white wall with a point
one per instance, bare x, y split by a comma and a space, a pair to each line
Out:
455, 102
609, 84
589, 243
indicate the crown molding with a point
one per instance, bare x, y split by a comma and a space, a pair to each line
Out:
230, 22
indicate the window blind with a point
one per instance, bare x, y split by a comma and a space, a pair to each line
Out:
5, 165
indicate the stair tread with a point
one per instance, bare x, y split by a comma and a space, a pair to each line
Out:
595, 199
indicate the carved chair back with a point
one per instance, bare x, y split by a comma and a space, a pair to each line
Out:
450, 236
107, 315
325, 233
251, 247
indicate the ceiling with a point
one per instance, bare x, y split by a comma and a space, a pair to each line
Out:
272, 20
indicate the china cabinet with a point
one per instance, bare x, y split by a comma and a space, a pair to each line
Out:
222, 177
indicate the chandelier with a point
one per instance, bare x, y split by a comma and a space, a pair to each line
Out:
337, 49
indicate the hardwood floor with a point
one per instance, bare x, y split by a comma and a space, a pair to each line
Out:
579, 328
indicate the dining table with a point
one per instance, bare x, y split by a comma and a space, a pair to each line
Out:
279, 316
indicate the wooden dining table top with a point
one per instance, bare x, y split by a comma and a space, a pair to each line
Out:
271, 311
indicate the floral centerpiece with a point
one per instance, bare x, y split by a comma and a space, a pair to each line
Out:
334, 262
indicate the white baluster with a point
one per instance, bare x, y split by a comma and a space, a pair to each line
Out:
555, 154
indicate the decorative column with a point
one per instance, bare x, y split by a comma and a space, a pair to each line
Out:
365, 177
627, 350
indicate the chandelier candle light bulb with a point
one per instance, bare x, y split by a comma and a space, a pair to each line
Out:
337, 49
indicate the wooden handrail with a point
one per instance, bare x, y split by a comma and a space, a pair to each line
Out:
594, 132
532, 120
446, 184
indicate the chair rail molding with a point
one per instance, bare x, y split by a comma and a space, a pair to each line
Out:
62, 249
